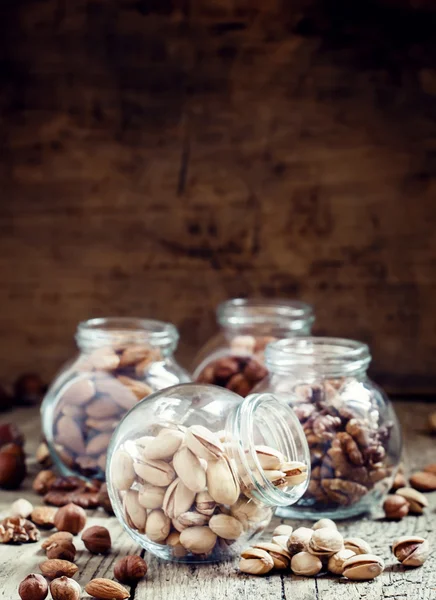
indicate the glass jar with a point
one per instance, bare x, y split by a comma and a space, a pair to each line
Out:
234, 357
195, 471
351, 428
121, 361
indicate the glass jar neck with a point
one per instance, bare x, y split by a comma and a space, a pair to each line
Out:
318, 357
277, 318
264, 420
118, 332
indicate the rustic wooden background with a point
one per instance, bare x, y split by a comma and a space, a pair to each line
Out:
159, 156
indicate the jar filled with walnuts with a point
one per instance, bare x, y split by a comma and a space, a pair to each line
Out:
234, 357
350, 425
195, 472
121, 361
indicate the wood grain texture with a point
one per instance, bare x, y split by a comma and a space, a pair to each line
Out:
159, 157
220, 582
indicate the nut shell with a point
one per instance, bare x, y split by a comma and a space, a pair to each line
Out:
396, 507
70, 518
33, 587
64, 588
363, 567
411, 551
97, 539
64, 550
130, 569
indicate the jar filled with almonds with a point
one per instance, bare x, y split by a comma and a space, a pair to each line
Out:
121, 361
350, 425
195, 472
234, 357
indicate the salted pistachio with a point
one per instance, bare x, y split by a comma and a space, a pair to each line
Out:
337, 561
164, 445
156, 472
142, 443
123, 473
204, 503
191, 518
178, 526
222, 483
411, 551
203, 443
283, 530
178, 499
136, 515
299, 540
325, 542
295, 472
275, 477
280, 540
255, 562
269, 458
188, 467
304, 563
417, 501
151, 496
249, 512
357, 545
322, 523
158, 526
280, 555
362, 567
198, 540
226, 527
173, 541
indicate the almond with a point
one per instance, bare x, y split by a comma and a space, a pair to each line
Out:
43, 516
106, 589
57, 568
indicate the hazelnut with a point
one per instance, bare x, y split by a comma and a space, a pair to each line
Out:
130, 569
10, 434
70, 518
56, 567
64, 550
97, 539
395, 507
12, 467
64, 588
59, 536
43, 481
43, 516
21, 508
33, 587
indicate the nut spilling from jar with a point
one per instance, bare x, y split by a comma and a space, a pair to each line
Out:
184, 488
108, 383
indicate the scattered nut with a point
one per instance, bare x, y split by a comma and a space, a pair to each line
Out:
70, 518
299, 540
395, 507
431, 468
106, 589
411, 551
337, 561
64, 550
43, 455
423, 481
33, 587
130, 569
53, 568
357, 545
64, 588
325, 542
97, 539
283, 530
43, 516
12, 466
21, 508
280, 555
323, 523
399, 480
363, 567
16, 530
58, 537
417, 501
304, 563
43, 481
255, 561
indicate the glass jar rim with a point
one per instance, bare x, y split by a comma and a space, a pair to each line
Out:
111, 331
292, 315
330, 356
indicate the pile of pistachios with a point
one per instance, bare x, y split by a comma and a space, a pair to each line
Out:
187, 489
309, 552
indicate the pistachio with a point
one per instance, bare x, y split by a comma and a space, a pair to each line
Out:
158, 526
357, 545
295, 472
191, 518
337, 561
123, 474
164, 445
156, 472
269, 458
411, 551
417, 501
226, 527
255, 561
142, 442
188, 467
178, 499
204, 503
299, 540
198, 540
363, 567
249, 512
324, 523
173, 541
136, 514
280, 540
395, 507
275, 477
283, 530
151, 496
221, 481
203, 443
325, 542
304, 563
178, 526
280, 555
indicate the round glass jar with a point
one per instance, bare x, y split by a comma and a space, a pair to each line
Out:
234, 357
195, 471
121, 361
350, 425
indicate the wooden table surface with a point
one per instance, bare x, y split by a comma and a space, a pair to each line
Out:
166, 581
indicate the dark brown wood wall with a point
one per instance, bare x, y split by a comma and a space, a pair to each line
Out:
161, 156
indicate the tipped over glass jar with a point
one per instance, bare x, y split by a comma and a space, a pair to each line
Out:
121, 361
350, 425
195, 472
234, 357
